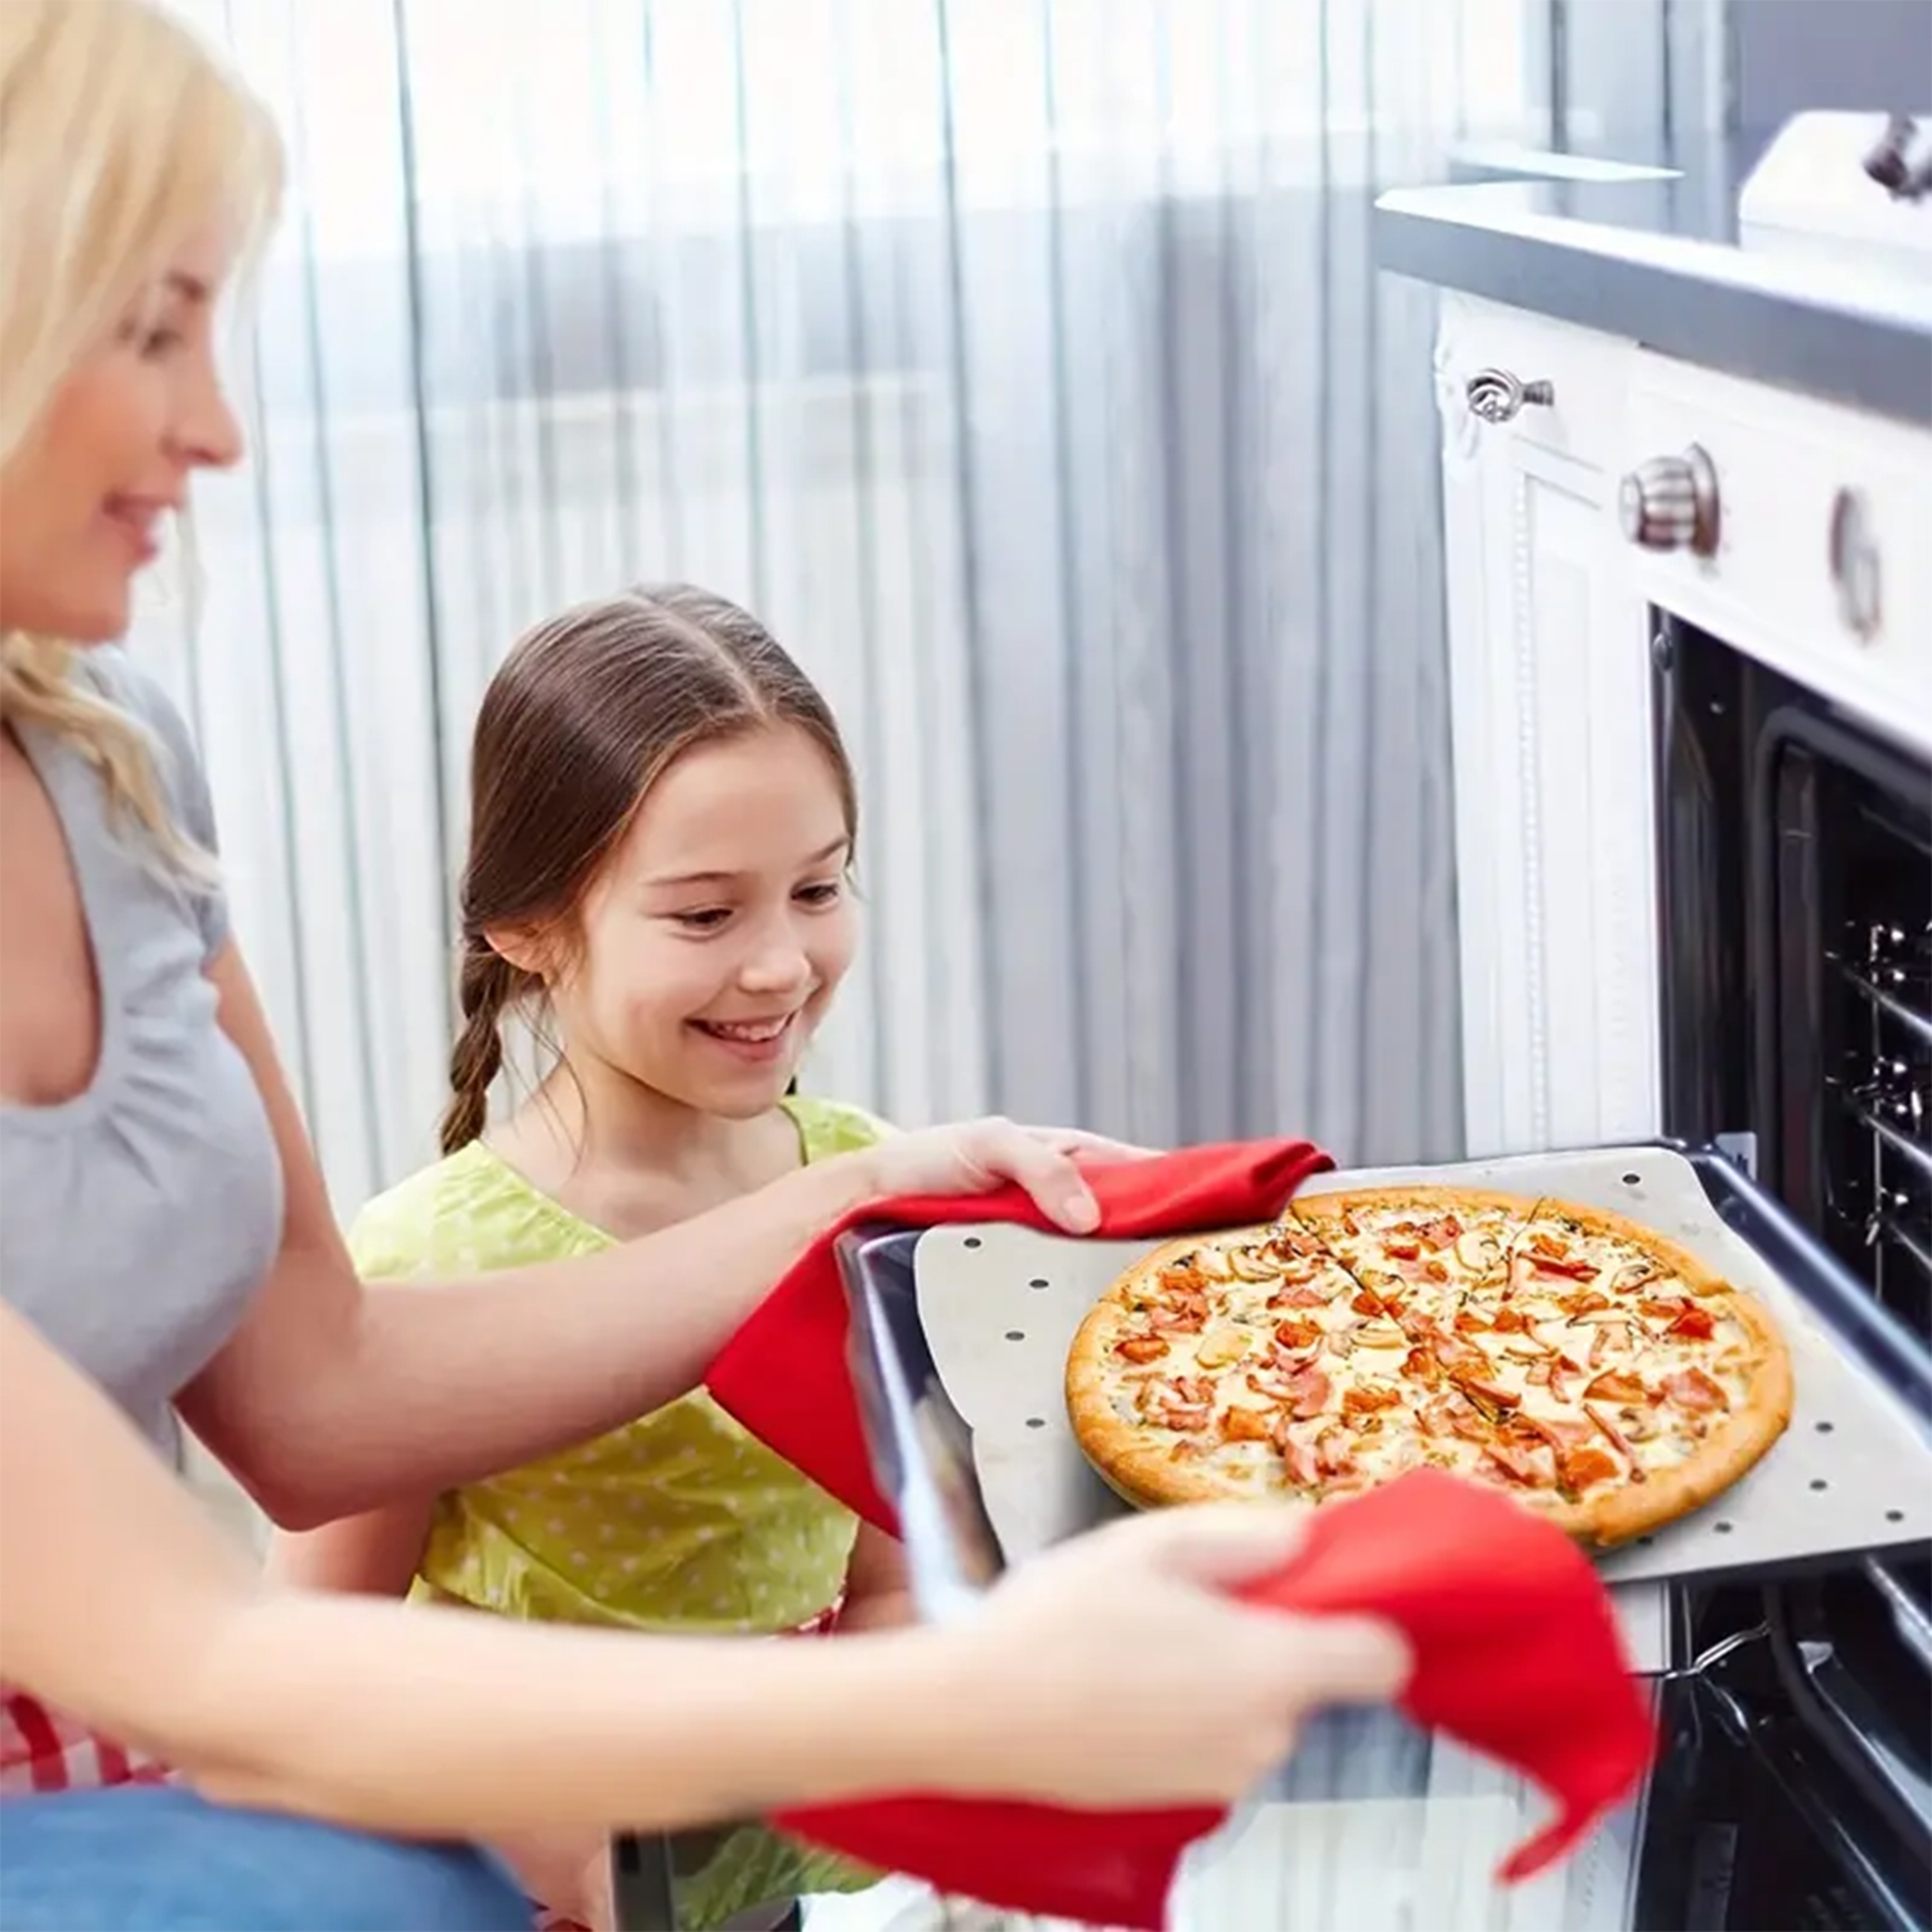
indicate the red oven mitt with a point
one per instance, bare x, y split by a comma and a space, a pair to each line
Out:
1517, 1655
784, 1375
1517, 1651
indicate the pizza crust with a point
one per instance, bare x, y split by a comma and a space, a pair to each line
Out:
1140, 1471
1315, 1208
1149, 1470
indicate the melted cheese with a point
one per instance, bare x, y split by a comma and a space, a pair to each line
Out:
1354, 1350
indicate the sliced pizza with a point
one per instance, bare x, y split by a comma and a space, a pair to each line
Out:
1591, 1369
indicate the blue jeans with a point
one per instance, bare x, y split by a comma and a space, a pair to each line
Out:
150, 1858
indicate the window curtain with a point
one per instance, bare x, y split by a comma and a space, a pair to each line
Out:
1023, 364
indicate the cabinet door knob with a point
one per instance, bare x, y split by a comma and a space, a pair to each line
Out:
1495, 395
1671, 503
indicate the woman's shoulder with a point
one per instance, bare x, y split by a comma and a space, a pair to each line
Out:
827, 1127
110, 673
466, 1213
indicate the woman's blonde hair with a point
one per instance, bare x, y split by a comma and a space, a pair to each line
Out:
120, 136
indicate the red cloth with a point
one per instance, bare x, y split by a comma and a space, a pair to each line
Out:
784, 1375
1517, 1650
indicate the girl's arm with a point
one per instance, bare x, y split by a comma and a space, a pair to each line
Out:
878, 1589
331, 1399
121, 1603
374, 1554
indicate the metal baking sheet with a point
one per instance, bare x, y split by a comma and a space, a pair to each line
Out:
999, 1306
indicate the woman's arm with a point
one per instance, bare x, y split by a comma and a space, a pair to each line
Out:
332, 1399
122, 1603
878, 1588
374, 1554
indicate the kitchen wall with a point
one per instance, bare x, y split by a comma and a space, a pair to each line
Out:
1851, 55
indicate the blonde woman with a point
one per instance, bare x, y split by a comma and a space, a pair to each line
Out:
166, 1252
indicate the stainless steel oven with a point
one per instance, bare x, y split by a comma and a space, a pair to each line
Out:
1796, 924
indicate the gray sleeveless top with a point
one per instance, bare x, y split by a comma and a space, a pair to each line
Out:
141, 1216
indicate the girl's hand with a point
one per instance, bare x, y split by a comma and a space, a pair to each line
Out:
979, 1155
1116, 1670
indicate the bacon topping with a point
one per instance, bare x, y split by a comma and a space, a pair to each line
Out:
1188, 1321
1582, 1467
1187, 1417
1610, 1433
1486, 1390
1303, 1469
1532, 1464
1367, 1397
1242, 1423
1573, 1269
1458, 1357
1290, 1237
1298, 1335
1333, 1456
1692, 1389
1454, 1414
1185, 1402
1562, 1435
1619, 1386
1297, 1295
1310, 1393
1583, 1301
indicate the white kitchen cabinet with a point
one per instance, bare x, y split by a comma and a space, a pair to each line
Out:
1550, 675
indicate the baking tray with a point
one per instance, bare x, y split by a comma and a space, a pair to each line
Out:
961, 1335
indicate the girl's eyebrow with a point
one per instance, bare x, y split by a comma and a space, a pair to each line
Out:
820, 857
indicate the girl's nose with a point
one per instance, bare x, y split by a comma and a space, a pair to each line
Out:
777, 969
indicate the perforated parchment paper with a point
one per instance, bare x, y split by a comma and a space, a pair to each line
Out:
1000, 1306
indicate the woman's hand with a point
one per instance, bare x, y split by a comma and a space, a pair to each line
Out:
1117, 1670
979, 1155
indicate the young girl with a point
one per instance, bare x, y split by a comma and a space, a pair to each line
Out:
661, 835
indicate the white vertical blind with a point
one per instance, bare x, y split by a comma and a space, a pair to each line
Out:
1022, 362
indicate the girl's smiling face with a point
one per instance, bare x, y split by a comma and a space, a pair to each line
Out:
711, 942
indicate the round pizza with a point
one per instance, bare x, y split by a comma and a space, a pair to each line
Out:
1588, 1367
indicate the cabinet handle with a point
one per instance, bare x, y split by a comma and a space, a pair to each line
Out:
1495, 395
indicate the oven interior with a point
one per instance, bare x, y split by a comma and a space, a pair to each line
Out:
1796, 857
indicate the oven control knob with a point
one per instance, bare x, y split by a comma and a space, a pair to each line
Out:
1671, 503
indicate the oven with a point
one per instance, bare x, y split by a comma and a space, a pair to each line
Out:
1795, 889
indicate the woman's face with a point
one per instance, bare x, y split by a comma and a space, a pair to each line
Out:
712, 941
83, 502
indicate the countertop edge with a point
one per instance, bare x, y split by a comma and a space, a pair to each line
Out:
1697, 301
